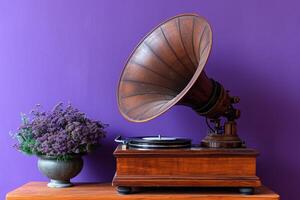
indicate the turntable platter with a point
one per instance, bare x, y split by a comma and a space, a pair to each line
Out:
156, 142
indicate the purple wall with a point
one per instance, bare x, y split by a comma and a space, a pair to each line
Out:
56, 50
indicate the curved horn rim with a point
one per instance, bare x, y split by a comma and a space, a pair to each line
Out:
177, 98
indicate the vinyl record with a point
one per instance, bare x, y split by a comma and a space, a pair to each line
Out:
158, 142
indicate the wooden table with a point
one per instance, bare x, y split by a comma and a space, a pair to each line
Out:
99, 191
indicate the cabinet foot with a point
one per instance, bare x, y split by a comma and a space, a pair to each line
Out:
246, 190
124, 190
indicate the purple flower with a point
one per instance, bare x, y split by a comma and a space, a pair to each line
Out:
62, 131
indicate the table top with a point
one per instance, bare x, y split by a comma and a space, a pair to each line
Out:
99, 191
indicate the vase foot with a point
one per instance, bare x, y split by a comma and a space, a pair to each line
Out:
59, 184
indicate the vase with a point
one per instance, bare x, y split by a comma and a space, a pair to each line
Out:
60, 171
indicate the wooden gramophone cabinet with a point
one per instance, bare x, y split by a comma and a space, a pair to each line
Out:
193, 167
167, 69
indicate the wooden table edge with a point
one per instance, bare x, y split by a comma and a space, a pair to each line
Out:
15, 194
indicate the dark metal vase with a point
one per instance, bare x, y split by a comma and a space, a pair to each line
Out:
60, 171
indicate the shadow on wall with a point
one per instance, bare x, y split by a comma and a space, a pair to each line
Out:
268, 123
100, 165
272, 128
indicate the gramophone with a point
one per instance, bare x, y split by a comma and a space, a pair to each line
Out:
166, 69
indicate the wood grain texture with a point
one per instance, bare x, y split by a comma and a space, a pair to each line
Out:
178, 166
195, 150
186, 167
186, 181
98, 191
